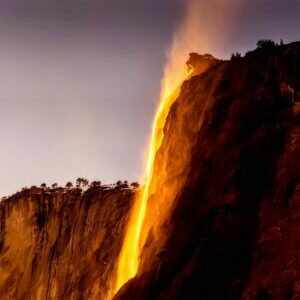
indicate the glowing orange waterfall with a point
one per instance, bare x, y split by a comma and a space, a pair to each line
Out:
174, 74
129, 257
198, 28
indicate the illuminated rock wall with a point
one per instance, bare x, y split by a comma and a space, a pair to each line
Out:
61, 245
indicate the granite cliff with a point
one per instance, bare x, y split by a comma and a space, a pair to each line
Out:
230, 155
61, 244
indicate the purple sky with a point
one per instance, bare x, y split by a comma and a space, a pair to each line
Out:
80, 81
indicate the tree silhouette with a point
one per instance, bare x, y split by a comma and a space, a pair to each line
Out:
78, 182
81, 182
95, 184
54, 185
236, 55
266, 44
135, 184
69, 184
43, 185
84, 181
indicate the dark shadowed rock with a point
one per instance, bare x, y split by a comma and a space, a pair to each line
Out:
233, 228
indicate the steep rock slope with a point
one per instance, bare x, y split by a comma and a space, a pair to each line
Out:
61, 244
231, 150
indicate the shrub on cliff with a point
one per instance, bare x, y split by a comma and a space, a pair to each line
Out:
85, 182
95, 184
122, 184
69, 184
135, 185
235, 56
266, 44
81, 181
54, 185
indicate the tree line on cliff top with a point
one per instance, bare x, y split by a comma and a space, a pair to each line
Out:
81, 183
263, 45
85, 183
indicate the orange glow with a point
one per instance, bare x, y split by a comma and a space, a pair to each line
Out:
198, 28
129, 257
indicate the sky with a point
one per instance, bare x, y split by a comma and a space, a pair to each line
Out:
80, 81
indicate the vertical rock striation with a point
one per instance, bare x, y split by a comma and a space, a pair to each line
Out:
61, 245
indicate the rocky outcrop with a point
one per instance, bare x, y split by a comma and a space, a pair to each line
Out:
230, 154
61, 244
198, 64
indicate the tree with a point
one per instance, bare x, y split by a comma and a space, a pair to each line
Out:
78, 182
266, 44
281, 42
54, 185
84, 181
119, 183
135, 185
43, 185
81, 181
236, 55
95, 184
69, 184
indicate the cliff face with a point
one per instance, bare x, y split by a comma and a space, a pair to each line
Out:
231, 152
61, 245
225, 214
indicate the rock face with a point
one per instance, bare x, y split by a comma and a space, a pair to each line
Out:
231, 151
226, 181
61, 244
